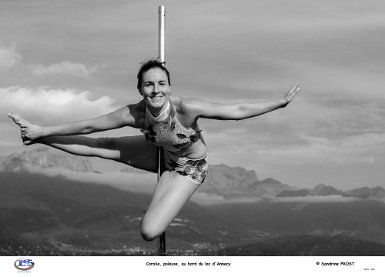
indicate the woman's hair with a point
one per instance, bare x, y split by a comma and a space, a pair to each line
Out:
153, 63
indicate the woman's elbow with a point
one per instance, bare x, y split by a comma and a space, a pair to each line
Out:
239, 113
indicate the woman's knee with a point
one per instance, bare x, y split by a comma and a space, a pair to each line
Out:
149, 232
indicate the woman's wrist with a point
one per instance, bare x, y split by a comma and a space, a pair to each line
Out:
283, 102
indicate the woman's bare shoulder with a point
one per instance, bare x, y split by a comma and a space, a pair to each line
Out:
183, 104
188, 108
175, 100
136, 113
137, 108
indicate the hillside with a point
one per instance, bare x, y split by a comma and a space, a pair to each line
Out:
55, 215
306, 245
363, 220
79, 218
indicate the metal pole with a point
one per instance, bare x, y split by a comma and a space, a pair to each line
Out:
161, 33
161, 56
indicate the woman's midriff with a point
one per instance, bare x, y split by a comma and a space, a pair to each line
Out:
195, 151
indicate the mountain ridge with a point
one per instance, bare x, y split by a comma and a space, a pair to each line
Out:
45, 215
44, 157
222, 180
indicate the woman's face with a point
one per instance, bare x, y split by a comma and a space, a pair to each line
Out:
155, 88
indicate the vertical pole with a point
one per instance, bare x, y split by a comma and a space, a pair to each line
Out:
161, 33
161, 56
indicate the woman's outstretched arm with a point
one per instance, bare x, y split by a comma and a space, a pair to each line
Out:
205, 109
126, 116
83, 146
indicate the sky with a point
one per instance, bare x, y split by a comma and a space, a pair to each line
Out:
62, 61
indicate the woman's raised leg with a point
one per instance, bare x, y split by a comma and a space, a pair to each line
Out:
132, 150
171, 193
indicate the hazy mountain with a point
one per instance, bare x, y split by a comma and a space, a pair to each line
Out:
267, 186
306, 245
367, 193
294, 193
319, 190
323, 190
237, 182
229, 182
42, 215
56, 216
363, 220
44, 157
377, 193
222, 180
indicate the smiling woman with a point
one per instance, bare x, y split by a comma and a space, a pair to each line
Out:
156, 86
166, 120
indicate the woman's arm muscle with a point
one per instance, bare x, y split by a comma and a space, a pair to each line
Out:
199, 108
204, 109
126, 116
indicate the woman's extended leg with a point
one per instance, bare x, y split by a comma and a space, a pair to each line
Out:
131, 150
171, 193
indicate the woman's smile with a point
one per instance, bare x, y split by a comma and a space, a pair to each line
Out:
155, 89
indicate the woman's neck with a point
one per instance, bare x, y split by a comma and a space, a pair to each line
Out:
158, 114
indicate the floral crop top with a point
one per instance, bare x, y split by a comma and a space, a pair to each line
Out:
169, 133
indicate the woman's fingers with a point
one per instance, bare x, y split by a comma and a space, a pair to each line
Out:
291, 93
296, 88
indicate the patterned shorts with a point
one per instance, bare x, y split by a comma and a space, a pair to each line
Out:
194, 169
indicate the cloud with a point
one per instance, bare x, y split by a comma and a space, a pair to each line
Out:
69, 68
326, 129
205, 199
9, 57
309, 150
251, 51
322, 151
51, 106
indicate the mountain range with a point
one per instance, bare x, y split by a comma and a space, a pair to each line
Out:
44, 215
51, 215
222, 180
323, 190
44, 157
54, 215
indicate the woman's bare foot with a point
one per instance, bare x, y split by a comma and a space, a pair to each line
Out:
29, 132
19, 120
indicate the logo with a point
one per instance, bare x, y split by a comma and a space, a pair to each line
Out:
24, 264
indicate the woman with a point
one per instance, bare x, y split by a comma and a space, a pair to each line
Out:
165, 120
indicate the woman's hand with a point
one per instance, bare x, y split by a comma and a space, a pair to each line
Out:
29, 131
289, 96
